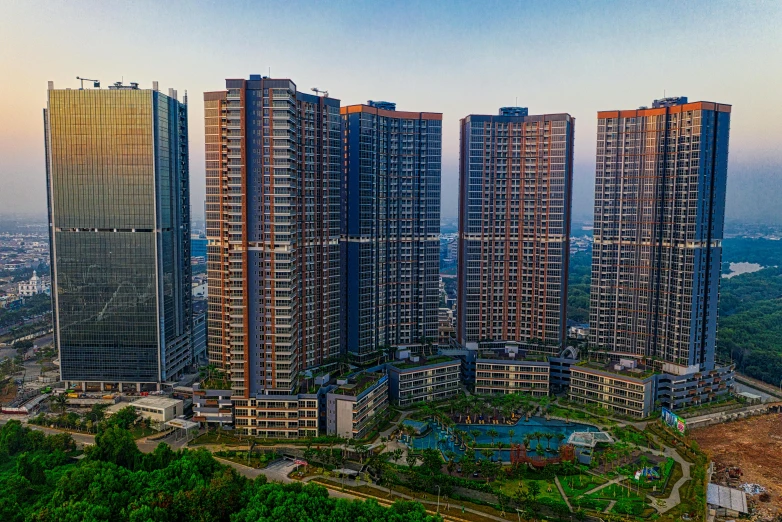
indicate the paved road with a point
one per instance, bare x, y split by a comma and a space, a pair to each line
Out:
79, 438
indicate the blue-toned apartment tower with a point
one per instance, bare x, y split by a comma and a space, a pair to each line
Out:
391, 227
661, 177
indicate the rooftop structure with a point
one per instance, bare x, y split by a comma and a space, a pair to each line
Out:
732, 500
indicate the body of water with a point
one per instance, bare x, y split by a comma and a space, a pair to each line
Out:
440, 439
742, 268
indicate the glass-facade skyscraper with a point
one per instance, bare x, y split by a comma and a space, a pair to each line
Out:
661, 176
391, 228
119, 218
515, 194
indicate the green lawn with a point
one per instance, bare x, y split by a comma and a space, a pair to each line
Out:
213, 437
577, 485
576, 415
140, 432
547, 489
615, 492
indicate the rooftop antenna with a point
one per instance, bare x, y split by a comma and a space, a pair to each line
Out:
318, 92
95, 83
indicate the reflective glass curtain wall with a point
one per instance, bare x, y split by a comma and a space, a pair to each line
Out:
118, 195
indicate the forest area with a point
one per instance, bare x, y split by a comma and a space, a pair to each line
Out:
749, 330
41, 481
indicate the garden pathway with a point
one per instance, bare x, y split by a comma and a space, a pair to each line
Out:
617, 480
664, 504
446, 505
562, 492
610, 505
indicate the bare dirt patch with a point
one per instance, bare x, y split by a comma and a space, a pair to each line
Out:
755, 446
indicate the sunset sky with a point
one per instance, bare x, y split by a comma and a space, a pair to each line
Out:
451, 57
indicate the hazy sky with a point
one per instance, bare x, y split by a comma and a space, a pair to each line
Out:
451, 57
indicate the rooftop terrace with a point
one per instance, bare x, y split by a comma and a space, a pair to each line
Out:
422, 361
639, 372
358, 384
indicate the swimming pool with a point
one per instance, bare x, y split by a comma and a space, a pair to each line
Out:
443, 440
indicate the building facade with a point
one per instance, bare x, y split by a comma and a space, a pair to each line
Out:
119, 218
661, 176
617, 390
34, 286
356, 405
273, 227
515, 193
392, 226
418, 379
500, 374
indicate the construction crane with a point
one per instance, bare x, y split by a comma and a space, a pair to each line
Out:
96, 83
318, 92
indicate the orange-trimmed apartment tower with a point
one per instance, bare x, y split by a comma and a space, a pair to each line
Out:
515, 194
273, 203
661, 174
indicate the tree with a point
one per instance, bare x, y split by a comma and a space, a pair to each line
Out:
548, 436
534, 489
115, 445
511, 434
396, 455
124, 418
560, 437
493, 434
451, 464
59, 401
475, 434
411, 459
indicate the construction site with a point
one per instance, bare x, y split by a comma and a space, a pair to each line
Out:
747, 455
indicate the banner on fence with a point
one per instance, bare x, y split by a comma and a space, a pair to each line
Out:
674, 421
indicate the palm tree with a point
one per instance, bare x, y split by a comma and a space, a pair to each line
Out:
59, 401
560, 437
511, 433
396, 455
475, 434
548, 436
499, 445
493, 434
451, 456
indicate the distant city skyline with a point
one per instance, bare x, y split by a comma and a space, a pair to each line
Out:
458, 59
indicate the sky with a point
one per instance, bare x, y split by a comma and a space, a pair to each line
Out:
457, 58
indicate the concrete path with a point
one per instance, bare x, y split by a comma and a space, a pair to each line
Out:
663, 505
610, 505
562, 492
617, 480
447, 506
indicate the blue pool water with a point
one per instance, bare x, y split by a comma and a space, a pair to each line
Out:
437, 438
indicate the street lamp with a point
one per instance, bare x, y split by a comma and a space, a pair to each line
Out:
438, 498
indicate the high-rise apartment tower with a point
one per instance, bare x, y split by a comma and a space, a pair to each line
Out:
119, 219
273, 191
659, 214
392, 226
515, 193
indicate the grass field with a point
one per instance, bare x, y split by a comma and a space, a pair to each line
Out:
577, 485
